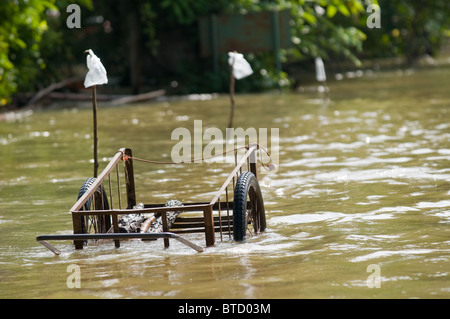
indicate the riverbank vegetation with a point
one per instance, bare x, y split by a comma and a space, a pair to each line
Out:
151, 44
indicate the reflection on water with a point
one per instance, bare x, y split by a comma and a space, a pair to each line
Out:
363, 180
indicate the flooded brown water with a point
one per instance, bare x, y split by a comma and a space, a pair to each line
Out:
359, 207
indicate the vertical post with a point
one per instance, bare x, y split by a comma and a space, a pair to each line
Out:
165, 228
129, 179
232, 85
252, 160
94, 106
209, 226
76, 221
115, 222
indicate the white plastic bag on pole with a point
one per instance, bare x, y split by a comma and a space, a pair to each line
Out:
320, 70
97, 73
241, 68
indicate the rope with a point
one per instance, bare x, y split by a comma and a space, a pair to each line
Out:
266, 166
269, 166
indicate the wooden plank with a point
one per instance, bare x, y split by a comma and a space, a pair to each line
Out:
252, 160
180, 219
99, 180
165, 228
200, 205
230, 177
197, 230
76, 222
115, 221
209, 227
50, 247
144, 210
195, 225
129, 180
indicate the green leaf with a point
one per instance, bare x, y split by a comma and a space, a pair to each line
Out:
331, 11
310, 18
343, 9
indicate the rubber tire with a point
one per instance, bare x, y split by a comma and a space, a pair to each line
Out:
247, 186
103, 221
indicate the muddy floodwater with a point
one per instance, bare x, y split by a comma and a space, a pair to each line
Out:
358, 208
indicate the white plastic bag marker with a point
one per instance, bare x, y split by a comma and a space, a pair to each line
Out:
320, 70
241, 68
97, 73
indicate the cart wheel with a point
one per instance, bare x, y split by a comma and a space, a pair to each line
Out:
248, 212
97, 223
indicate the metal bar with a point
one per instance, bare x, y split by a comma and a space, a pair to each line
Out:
119, 236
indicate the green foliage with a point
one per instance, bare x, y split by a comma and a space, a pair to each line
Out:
21, 28
409, 27
327, 28
37, 48
264, 76
32, 43
61, 47
184, 12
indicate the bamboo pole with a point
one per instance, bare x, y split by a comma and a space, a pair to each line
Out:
232, 85
94, 107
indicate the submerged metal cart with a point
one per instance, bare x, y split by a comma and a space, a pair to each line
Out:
96, 213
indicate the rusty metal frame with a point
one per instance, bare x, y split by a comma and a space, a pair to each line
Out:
125, 154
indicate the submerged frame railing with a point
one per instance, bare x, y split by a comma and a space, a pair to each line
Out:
124, 155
